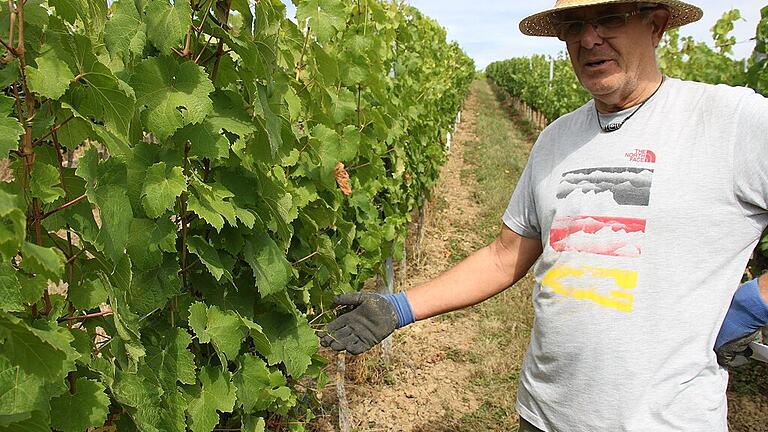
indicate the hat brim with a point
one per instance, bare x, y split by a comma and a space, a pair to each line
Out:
543, 23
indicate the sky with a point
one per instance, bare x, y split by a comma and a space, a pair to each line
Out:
487, 30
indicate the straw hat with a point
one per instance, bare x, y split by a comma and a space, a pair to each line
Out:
543, 23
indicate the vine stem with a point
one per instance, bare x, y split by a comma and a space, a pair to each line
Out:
187, 43
220, 47
184, 222
85, 317
27, 148
12, 10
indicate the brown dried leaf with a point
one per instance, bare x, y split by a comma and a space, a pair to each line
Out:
342, 179
6, 173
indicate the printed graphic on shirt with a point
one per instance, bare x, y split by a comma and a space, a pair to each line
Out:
618, 237
645, 156
610, 288
623, 186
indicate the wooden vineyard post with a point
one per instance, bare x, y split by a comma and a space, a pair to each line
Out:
341, 372
389, 276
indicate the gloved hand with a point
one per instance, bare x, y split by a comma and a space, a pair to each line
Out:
373, 318
747, 314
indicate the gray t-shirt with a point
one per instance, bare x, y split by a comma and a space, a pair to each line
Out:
646, 233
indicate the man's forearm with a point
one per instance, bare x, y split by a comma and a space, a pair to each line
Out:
764, 287
483, 274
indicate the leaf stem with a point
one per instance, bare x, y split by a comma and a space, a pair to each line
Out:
52, 131
300, 64
8, 47
64, 206
306, 258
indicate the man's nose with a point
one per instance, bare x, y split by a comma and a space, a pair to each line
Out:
589, 36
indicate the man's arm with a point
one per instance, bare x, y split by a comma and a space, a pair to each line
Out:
747, 314
480, 276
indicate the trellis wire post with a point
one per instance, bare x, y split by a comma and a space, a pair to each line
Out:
389, 283
341, 372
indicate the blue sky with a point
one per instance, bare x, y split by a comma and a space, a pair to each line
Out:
487, 29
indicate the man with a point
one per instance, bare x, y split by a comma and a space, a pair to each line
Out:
642, 208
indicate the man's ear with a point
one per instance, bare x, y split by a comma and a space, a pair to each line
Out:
659, 19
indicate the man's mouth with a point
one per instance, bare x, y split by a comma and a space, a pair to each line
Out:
597, 63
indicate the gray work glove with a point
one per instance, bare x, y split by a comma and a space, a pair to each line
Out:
371, 321
736, 353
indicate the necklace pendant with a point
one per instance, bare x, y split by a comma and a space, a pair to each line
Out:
612, 127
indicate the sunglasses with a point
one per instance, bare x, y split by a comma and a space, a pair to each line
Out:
571, 31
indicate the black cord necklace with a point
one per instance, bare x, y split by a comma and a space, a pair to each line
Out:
613, 127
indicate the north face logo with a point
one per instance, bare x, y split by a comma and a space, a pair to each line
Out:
646, 156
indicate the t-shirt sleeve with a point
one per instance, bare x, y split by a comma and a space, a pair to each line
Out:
751, 156
521, 216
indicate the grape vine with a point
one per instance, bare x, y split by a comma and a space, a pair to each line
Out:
185, 185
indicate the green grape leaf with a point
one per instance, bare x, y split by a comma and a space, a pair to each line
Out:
152, 286
272, 123
125, 32
92, 13
211, 203
167, 24
217, 393
253, 424
97, 92
38, 421
52, 75
208, 256
10, 289
270, 268
150, 408
37, 351
87, 407
161, 188
21, 393
10, 73
206, 140
258, 388
13, 225
10, 128
87, 294
173, 95
116, 214
326, 17
170, 360
45, 183
41, 260
293, 341
223, 329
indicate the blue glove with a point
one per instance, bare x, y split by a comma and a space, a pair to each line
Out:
746, 316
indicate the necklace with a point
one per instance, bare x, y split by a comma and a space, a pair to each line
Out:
613, 127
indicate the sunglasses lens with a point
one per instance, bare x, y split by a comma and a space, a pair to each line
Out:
611, 21
570, 30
